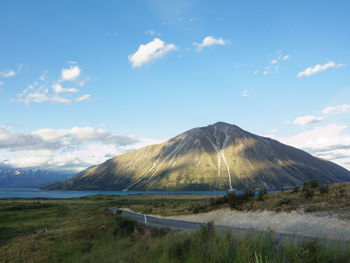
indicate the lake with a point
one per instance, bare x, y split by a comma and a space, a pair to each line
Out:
38, 193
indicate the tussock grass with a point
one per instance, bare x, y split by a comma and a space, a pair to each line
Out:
310, 198
71, 231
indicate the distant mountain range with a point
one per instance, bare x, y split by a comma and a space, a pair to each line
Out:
12, 177
219, 156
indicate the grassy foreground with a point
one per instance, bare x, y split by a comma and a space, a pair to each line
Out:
80, 230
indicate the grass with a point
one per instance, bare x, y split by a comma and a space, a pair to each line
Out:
313, 198
80, 230
83, 232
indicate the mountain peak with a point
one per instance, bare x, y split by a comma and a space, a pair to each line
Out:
221, 123
218, 156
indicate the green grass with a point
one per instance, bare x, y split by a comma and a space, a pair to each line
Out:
79, 230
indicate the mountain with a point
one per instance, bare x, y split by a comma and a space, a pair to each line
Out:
12, 177
218, 156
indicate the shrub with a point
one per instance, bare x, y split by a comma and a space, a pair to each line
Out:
249, 193
295, 190
341, 192
308, 193
125, 226
324, 189
306, 186
234, 200
284, 201
262, 194
196, 210
314, 183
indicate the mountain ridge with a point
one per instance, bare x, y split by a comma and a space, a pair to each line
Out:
25, 177
220, 156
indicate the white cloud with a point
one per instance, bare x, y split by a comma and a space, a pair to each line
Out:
59, 100
150, 33
305, 120
256, 72
1, 83
43, 76
83, 81
64, 149
150, 52
210, 41
331, 110
245, 93
331, 142
82, 98
273, 66
58, 89
318, 68
336, 109
70, 74
39, 93
7, 74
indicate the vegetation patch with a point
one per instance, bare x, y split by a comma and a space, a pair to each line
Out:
82, 230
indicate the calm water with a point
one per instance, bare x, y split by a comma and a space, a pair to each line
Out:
38, 193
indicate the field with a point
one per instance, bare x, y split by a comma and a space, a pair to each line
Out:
82, 230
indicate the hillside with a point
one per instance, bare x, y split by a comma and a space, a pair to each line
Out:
218, 156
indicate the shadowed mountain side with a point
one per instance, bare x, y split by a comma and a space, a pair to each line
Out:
218, 156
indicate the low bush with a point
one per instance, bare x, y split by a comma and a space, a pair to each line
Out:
309, 193
323, 189
261, 194
314, 183
295, 190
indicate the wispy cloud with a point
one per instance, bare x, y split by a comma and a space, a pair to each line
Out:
82, 98
274, 65
318, 68
305, 120
336, 109
38, 92
331, 110
58, 89
150, 52
211, 41
245, 93
150, 33
8, 73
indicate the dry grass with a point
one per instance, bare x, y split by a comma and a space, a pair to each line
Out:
60, 231
338, 197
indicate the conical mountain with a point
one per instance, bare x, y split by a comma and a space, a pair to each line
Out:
218, 156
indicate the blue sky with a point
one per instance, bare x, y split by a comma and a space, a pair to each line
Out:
138, 72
